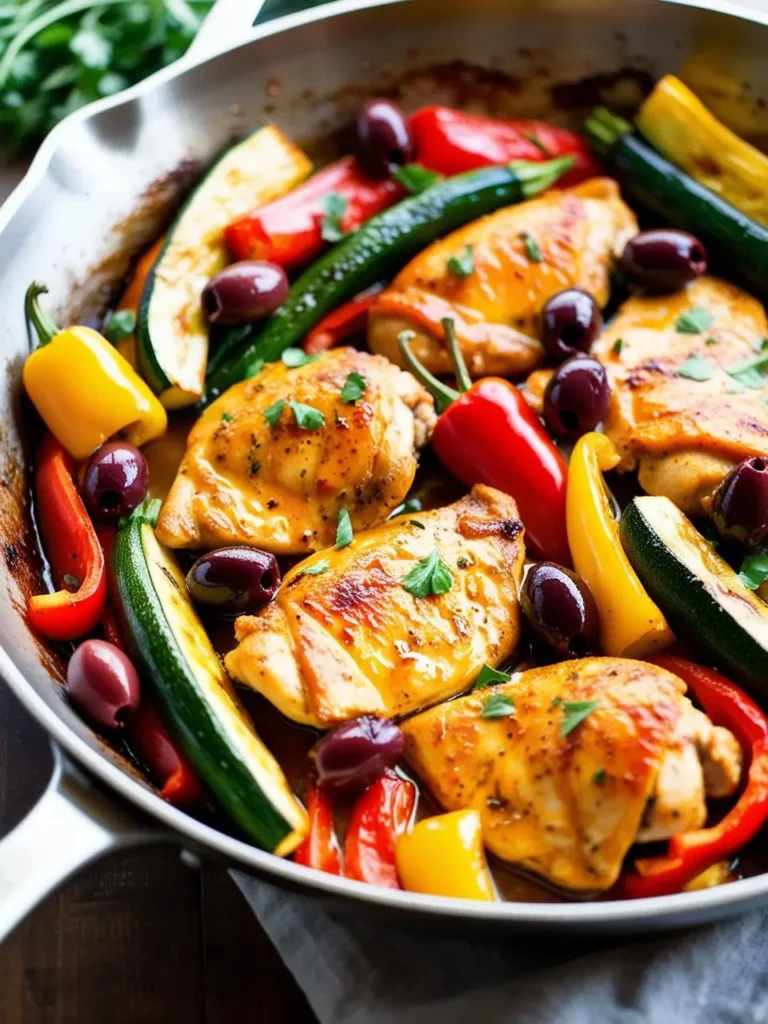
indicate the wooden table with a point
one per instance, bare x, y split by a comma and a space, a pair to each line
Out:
136, 939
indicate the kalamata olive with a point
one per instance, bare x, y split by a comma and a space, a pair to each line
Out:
352, 755
570, 322
560, 609
576, 398
244, 292
116, 479
102, 681
740, 504
663, 260
382, 138
234, 579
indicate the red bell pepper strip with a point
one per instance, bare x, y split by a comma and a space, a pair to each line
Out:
72, 548
487, 433
342, 323
289, 232
166, 764
320, 850
693, 852
452, 141
381, 814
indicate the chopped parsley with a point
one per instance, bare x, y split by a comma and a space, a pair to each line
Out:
599, 777
274, 412
711, 341
255, 366
119, 325
697, 368
306, 416
488, 676
344, 533
334, 208
416, 178
532, 249
498, 706
754, 569
760, 345
316, 569
409, 505
694, 321
464, 265
70, 582
295, 357
750, 373
227, 417
574, 713
617, 346
355, 387
430, 576
416, 523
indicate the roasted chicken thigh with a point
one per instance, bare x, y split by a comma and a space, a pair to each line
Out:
272, 462
346, 636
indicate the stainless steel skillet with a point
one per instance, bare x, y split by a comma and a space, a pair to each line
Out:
98, 190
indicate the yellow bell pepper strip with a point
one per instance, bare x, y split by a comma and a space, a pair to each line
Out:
444, 856
83, 388
630, 623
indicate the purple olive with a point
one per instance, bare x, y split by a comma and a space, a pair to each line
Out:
234, 579
740, 504
382, 138
560, 609
663, 260
244, 292
576, 398
570, 322
102, 681
116, 479
352, 755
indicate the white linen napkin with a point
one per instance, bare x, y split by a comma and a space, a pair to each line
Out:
362, 970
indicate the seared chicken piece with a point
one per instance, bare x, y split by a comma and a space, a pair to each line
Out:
280, 486
675, 413
496, 306
350, 639
569, 807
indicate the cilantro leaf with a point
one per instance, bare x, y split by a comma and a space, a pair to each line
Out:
498, 706
750, 373
574, 713
344, 534
119, 325
697, 368
334, 207
355, 387
416, 178
754, 569
316, 569
464, 265
430, 576
274, 412
532, 249
694, 321
306, 416
295, 357
488, 676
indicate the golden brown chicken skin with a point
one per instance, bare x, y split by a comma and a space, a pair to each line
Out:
568, 807
351, 639
576, 233
280, 485
676, 414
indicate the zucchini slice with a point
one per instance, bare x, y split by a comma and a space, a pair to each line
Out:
703, 597
171, 332
195, 695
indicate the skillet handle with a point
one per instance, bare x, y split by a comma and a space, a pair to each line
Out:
72, 824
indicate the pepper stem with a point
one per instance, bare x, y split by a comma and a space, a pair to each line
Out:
605, 128
534, 176
442, 394
463, 380
36, 316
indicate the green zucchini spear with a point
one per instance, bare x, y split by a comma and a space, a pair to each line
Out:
374, 251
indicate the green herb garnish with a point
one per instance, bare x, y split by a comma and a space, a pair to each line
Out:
697, 368
430, 576
488, 676
574, 713
462, 562
227, 417
754, 569
694, 321
532, 250
344, 535
750, 373
464, 265
354, 387
498, 706
617, 346
409, 505
254, 367
599, 777
334, 207
306, 416
316, 569
416, 523
70, 582
274, 412
711, 341
416, 178
119, 325
295, 357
